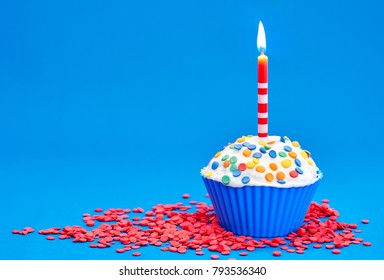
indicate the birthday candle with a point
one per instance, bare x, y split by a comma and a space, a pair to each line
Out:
262, 86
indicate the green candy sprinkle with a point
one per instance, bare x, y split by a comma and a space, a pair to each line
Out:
232, 147
225, 179
267, 147
283, 154
233, 160
224, 158
233, 167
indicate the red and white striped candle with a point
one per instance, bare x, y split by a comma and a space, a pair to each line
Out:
262, 86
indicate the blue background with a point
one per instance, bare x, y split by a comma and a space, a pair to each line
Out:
121, 103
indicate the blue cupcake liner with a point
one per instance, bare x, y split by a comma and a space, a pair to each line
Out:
260, 211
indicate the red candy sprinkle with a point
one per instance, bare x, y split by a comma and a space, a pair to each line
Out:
293, 174
365, 221
276, 253
173, 229
242, 167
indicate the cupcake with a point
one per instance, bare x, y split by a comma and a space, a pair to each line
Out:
261, 187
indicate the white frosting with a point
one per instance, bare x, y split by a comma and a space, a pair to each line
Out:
310, 173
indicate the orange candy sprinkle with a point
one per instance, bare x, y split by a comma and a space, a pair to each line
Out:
260, 168
217, 154
247, 152
240, 140
269, 177
292, 154
273, 166
226, 163
280, 175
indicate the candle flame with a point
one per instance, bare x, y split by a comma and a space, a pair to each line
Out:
261, 42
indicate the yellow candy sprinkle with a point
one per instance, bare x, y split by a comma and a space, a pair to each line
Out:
286, 163
269, 177
310, 162
304, 154
280, 175
260, 169
208, 174
247, 152
250, 164
240, 140
273, 166
295, 144
292, 154
262, 142
217, 154
256, 160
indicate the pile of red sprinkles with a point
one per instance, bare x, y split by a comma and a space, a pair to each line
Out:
173, 229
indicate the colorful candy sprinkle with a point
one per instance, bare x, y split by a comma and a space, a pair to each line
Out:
257, 155
215, 165
245, 180
224, 158
292, 154
304, 154
272, 154
233, 160
236, 173
282, 154
208, 174
242, 167
286, 163
295, 144
247, 152
298, 162
298, 170
269, 177
262, 150
273, 166
293, 174
260, 168
280, 175
225, 179
217, 154
233, 167
287, 148
252, 147
237, 146
310, 162
226, 164
251, 164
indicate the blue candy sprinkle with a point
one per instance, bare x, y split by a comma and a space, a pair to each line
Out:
257, 155
318, 171
272, 154
246, 144
251, 147
281, 181
298, 170
282, 139
238, 146
245, 180
236, 173
262, 150
298, 162
287, 148
215, 165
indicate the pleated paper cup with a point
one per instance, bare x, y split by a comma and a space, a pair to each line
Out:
260, 211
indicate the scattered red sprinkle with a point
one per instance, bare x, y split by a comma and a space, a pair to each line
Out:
186, 195
214, 257
365, 221
335, 251
173, 229
276, 253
